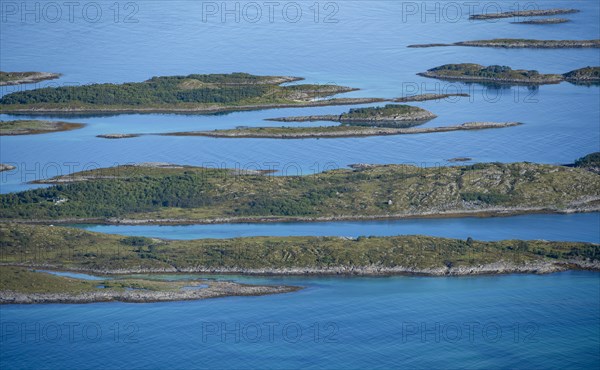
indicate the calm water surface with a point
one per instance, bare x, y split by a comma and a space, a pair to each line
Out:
518, 321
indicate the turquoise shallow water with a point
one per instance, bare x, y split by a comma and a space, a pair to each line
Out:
549, 321
513, 321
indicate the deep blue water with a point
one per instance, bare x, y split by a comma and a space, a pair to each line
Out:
575, 227
366, 48
377, 321
514, 321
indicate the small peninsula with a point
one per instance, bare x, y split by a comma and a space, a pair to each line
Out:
523, 13
469, 72
171, 194
326, 132
32, 127
196, 93
20, 78
301, 255
21, 285
520, 43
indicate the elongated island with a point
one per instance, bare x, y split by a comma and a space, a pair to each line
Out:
29, 247
196, 93
170, 194
523, 13
470, 72
520, 44
330, 132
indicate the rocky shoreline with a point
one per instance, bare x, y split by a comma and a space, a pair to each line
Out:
20, 78
215, 289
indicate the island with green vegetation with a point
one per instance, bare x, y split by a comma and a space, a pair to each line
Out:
171, 194
544, 21
523, 13
469, 72
20, 78
327, 132
31, 127
590, 162
391, 115
118, 136
520, 43
23, 285
196, 93
583, 75
71, 249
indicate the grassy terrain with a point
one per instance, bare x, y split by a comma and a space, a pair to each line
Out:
28, 127
583, 74
523, 13
23, 280
496, 73
69, 248
191, 194
192, 92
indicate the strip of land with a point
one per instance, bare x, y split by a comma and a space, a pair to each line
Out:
186, 194
326, 132
34, 246
544, 21
195, 93
523, 13
21, 285
424, 97
20, 78
469, 72
520, 43
32, 127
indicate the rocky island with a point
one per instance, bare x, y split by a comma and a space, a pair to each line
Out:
520, 43
31, 127
469, 72
20, 78
186, 194
196, 93
544, 21
523, 13
425, 97
6, 167
83, 251
326, 132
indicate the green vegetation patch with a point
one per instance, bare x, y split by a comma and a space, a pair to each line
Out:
193, 193
71, 248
